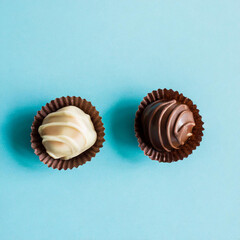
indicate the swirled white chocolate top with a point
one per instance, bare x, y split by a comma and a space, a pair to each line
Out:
67, 133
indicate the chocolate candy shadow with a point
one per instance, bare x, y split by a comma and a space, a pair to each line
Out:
17, 133
121, 121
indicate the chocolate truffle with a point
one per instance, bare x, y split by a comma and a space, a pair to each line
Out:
167, 124
67, 133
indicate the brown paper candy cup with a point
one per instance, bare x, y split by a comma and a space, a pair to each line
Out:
191, 143
53, 106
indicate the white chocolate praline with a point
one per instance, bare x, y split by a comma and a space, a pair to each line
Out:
67, 133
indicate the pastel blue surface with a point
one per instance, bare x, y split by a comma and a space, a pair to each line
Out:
113, 53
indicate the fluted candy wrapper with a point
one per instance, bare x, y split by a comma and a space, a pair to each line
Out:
53, 106
175, 154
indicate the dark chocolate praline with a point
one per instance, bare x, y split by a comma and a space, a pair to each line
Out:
167, 124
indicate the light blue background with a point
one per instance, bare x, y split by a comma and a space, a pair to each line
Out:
113, 53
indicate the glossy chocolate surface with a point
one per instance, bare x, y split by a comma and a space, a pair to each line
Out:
167, 124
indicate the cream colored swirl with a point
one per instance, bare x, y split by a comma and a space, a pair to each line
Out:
67, 133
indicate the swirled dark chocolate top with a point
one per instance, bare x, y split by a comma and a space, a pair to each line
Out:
167, 124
